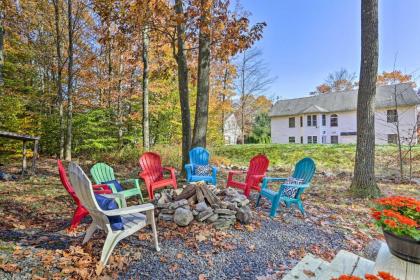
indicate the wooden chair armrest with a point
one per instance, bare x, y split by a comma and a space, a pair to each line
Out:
130, 210
238, 171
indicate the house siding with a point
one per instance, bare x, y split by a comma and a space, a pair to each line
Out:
347, 127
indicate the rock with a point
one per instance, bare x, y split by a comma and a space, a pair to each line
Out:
183, 217
202, 216
225, 211
243, 203
224, 205
201, 206
342, 174
195, 212
178, 191
166, 217
186, 207
223, 223
227, 217
179, 203
415, 181
233, 206
163, 205
213, 218
372, 249
167, 211
231, 192
164, 198
327, 174
244, 215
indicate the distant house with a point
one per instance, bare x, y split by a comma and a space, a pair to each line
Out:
331, 118
231, 130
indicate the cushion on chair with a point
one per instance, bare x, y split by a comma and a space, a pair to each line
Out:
202, 170
117, 185
110, 204
290, 191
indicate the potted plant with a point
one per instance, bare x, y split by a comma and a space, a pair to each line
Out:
399, 218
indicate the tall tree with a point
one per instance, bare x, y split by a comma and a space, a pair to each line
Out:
69, 81
203, 83
145, 87
341, 80
60, 66
181, 60
253, 78
1, 47
364, 183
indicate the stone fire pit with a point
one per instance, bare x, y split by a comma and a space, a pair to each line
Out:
203, 203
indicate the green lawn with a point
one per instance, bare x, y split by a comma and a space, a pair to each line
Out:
328, 157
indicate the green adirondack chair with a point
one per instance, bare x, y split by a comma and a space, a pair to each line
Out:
101, 172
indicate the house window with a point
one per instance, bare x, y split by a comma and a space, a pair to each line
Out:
314, 139
301, 139
291, 139
292, 122
334, 120
314, 120
324, 139
301, 121
391, 116
309, 139
334, 139
309, 120
392, 139
324, 120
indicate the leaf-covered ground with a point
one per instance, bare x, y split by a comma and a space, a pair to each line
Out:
36, 211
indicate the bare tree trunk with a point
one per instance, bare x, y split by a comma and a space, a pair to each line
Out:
397, 124
202, 104
145, 85
364, 183
56, 4
183, 85
223, 101
119, 120
1, 51
70, 82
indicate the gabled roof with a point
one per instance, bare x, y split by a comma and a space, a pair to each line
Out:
345, 101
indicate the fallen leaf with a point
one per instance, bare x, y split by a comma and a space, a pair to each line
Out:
179, 255
10, 267
309, 273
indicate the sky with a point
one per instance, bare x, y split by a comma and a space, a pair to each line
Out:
305, 40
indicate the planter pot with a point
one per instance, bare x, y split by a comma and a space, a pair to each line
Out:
403, 247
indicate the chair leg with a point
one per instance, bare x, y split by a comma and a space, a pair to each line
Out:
78, 216
274, 205
109, 245
89, 233
155, 236
247, 191
258, 200
300, 206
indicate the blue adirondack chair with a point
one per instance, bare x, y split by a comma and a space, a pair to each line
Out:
199, 156
289, 193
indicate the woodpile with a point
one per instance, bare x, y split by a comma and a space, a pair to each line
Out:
203, 203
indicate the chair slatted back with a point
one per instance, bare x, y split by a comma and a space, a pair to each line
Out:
199, 156
66, 183
305, 169
102, 172
83, 188
257, 166
151, 164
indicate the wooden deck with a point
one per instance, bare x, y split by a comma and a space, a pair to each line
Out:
313, 268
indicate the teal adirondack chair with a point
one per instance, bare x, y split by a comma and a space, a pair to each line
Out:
304, 171
101, 172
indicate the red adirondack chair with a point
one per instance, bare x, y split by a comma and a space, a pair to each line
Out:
80, 211
254, 175
153, 173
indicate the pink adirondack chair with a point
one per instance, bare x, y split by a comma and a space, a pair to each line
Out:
80, 211
254, 175
153, 173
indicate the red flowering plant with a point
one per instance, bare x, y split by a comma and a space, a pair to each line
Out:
381, 276
399, 215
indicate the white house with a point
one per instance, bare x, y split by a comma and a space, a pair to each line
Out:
231, 130
331, 118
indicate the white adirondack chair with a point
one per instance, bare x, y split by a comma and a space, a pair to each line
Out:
131, 216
